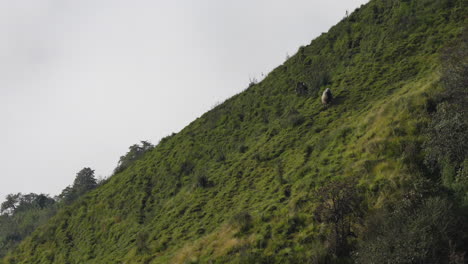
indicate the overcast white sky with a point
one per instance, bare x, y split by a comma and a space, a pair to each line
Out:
81, 81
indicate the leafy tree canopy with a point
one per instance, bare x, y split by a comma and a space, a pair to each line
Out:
135, 152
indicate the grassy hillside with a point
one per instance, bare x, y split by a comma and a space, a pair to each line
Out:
251, 180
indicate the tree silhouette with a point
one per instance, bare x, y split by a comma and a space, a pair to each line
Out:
84, 181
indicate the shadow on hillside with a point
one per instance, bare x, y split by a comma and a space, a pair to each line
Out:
338, 100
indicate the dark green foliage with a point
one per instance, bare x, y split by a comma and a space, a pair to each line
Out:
340, 207
135, 152
422, 227
243, 221
142, 242
280, 173
68, 195
163, 140
12, 201
447, 138
302, 89
455, 71
243, 148
16, 203
20, 215
410, 234
84, 182
201, 181
448, 141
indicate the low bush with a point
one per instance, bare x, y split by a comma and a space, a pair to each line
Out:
243, 221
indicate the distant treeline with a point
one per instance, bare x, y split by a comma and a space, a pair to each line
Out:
21, 214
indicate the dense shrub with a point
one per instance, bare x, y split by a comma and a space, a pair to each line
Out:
422, 227
339, 206
202, 181
446, 146
243, 221
141, 242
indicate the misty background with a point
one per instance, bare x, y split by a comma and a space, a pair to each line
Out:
81, 81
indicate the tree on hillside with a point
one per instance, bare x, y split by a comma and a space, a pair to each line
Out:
339, 206
20, 215
43, 200
135, 152
10, 204
85, 181
422, 226
19, 202
67, 195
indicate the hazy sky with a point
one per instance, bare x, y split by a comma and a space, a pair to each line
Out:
81, 81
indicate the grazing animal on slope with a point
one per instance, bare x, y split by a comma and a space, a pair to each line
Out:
327, 97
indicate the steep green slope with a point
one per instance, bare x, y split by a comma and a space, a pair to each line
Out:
240, 183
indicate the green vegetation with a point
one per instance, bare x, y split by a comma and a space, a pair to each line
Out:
272, 176
84, 182
21, 214
134, 153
